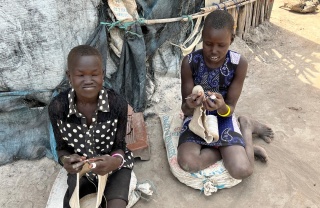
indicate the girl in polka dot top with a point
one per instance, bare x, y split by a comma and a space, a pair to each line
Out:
89, 123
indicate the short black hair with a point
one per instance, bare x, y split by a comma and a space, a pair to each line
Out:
219, 19
82, 50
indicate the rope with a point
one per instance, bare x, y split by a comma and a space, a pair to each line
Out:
124, 25
133, 33
237, 5
215, 4
111, 25
190, 20
209, 187
225, 7
141, 21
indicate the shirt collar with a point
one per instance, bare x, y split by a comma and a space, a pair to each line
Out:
103, 102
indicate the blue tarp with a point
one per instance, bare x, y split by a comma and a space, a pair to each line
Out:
23, 127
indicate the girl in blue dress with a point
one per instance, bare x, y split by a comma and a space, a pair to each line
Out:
220, 72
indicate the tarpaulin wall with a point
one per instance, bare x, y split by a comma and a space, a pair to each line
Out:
35, 38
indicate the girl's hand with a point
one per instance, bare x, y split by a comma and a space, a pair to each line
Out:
73, 163
104, 164
217, 103
195, 100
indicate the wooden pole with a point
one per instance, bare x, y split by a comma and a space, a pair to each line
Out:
204, 12
241, 21
245, 16
258, 12
262, 11
248, 20
269, 9
234, 13
221, 5
254, 14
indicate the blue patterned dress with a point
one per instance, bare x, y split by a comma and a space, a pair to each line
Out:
214, 80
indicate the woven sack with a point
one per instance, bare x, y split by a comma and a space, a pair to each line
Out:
208, 180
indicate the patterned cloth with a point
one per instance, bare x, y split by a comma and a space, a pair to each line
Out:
214, 80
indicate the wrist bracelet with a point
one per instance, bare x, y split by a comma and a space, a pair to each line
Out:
62, 158
117, 154
226, 114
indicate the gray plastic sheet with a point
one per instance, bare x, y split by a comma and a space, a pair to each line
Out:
35, 39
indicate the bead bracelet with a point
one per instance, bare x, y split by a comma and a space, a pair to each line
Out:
117, 154
226, 114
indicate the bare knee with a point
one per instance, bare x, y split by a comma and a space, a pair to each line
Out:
240, 171
189, 163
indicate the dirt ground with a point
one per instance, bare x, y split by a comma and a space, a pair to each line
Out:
282, 89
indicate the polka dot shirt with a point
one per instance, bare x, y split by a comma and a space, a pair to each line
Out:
105, 134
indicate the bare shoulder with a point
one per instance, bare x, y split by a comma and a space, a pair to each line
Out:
242, 66
243, 61
185, 63
186, 72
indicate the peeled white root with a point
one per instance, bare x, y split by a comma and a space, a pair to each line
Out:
196, 89
211, 128
212, 97
205, 126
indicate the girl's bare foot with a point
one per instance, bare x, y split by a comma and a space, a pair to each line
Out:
262, 130
260, 153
